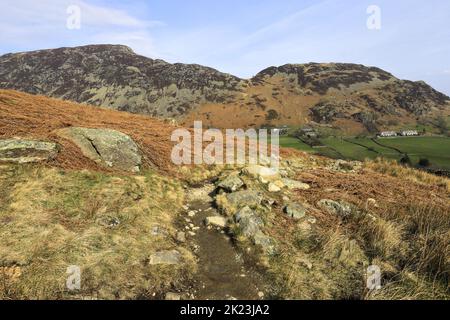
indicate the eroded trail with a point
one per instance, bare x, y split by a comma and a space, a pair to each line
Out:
223, 273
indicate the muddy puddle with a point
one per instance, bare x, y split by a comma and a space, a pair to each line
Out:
223, 273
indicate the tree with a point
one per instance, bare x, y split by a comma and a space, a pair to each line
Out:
405, 160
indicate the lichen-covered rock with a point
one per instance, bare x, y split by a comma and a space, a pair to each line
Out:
295, 211
231, 183
200, 194
244, 198
25, 151
267, 243
345, 166
341, 208
249, 222
107, 147
295, 185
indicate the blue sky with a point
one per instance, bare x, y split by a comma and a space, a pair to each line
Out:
246, 36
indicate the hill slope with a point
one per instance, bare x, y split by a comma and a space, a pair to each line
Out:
350, 97
143, 235
113, 76
37, 117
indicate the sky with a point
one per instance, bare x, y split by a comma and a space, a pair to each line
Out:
246, 36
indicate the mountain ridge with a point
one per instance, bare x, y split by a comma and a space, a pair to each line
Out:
353, 97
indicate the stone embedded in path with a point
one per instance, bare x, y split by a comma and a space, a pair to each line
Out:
231, 183
249, 222
216, 221
26, 151
170, 257
107, 147
244, 198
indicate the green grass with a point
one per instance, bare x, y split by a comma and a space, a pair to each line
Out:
379, 150
435, 149
291, 142
349, 150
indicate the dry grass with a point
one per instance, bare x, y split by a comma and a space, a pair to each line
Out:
103, 223
394, 169
406, 233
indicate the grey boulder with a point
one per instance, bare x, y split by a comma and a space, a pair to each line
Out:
107, 147
295, 211
249, 222
26, 151
231, 183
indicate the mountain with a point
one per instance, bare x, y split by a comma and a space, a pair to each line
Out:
113, 76
347, 96
351, 97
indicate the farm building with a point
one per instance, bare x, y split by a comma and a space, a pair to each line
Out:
409, 133
388, 134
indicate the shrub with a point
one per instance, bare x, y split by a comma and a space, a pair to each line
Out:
424, 162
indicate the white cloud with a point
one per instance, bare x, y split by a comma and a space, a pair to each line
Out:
102, 16
42, 24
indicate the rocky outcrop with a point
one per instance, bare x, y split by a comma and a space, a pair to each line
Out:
25, 151
109, 148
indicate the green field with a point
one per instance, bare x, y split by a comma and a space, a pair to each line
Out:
435, 149
291, 142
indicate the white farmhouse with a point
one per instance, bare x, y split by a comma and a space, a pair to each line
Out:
409, 133
388, 134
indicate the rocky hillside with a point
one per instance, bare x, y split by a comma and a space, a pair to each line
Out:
113, 76
349, 97
88, 188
